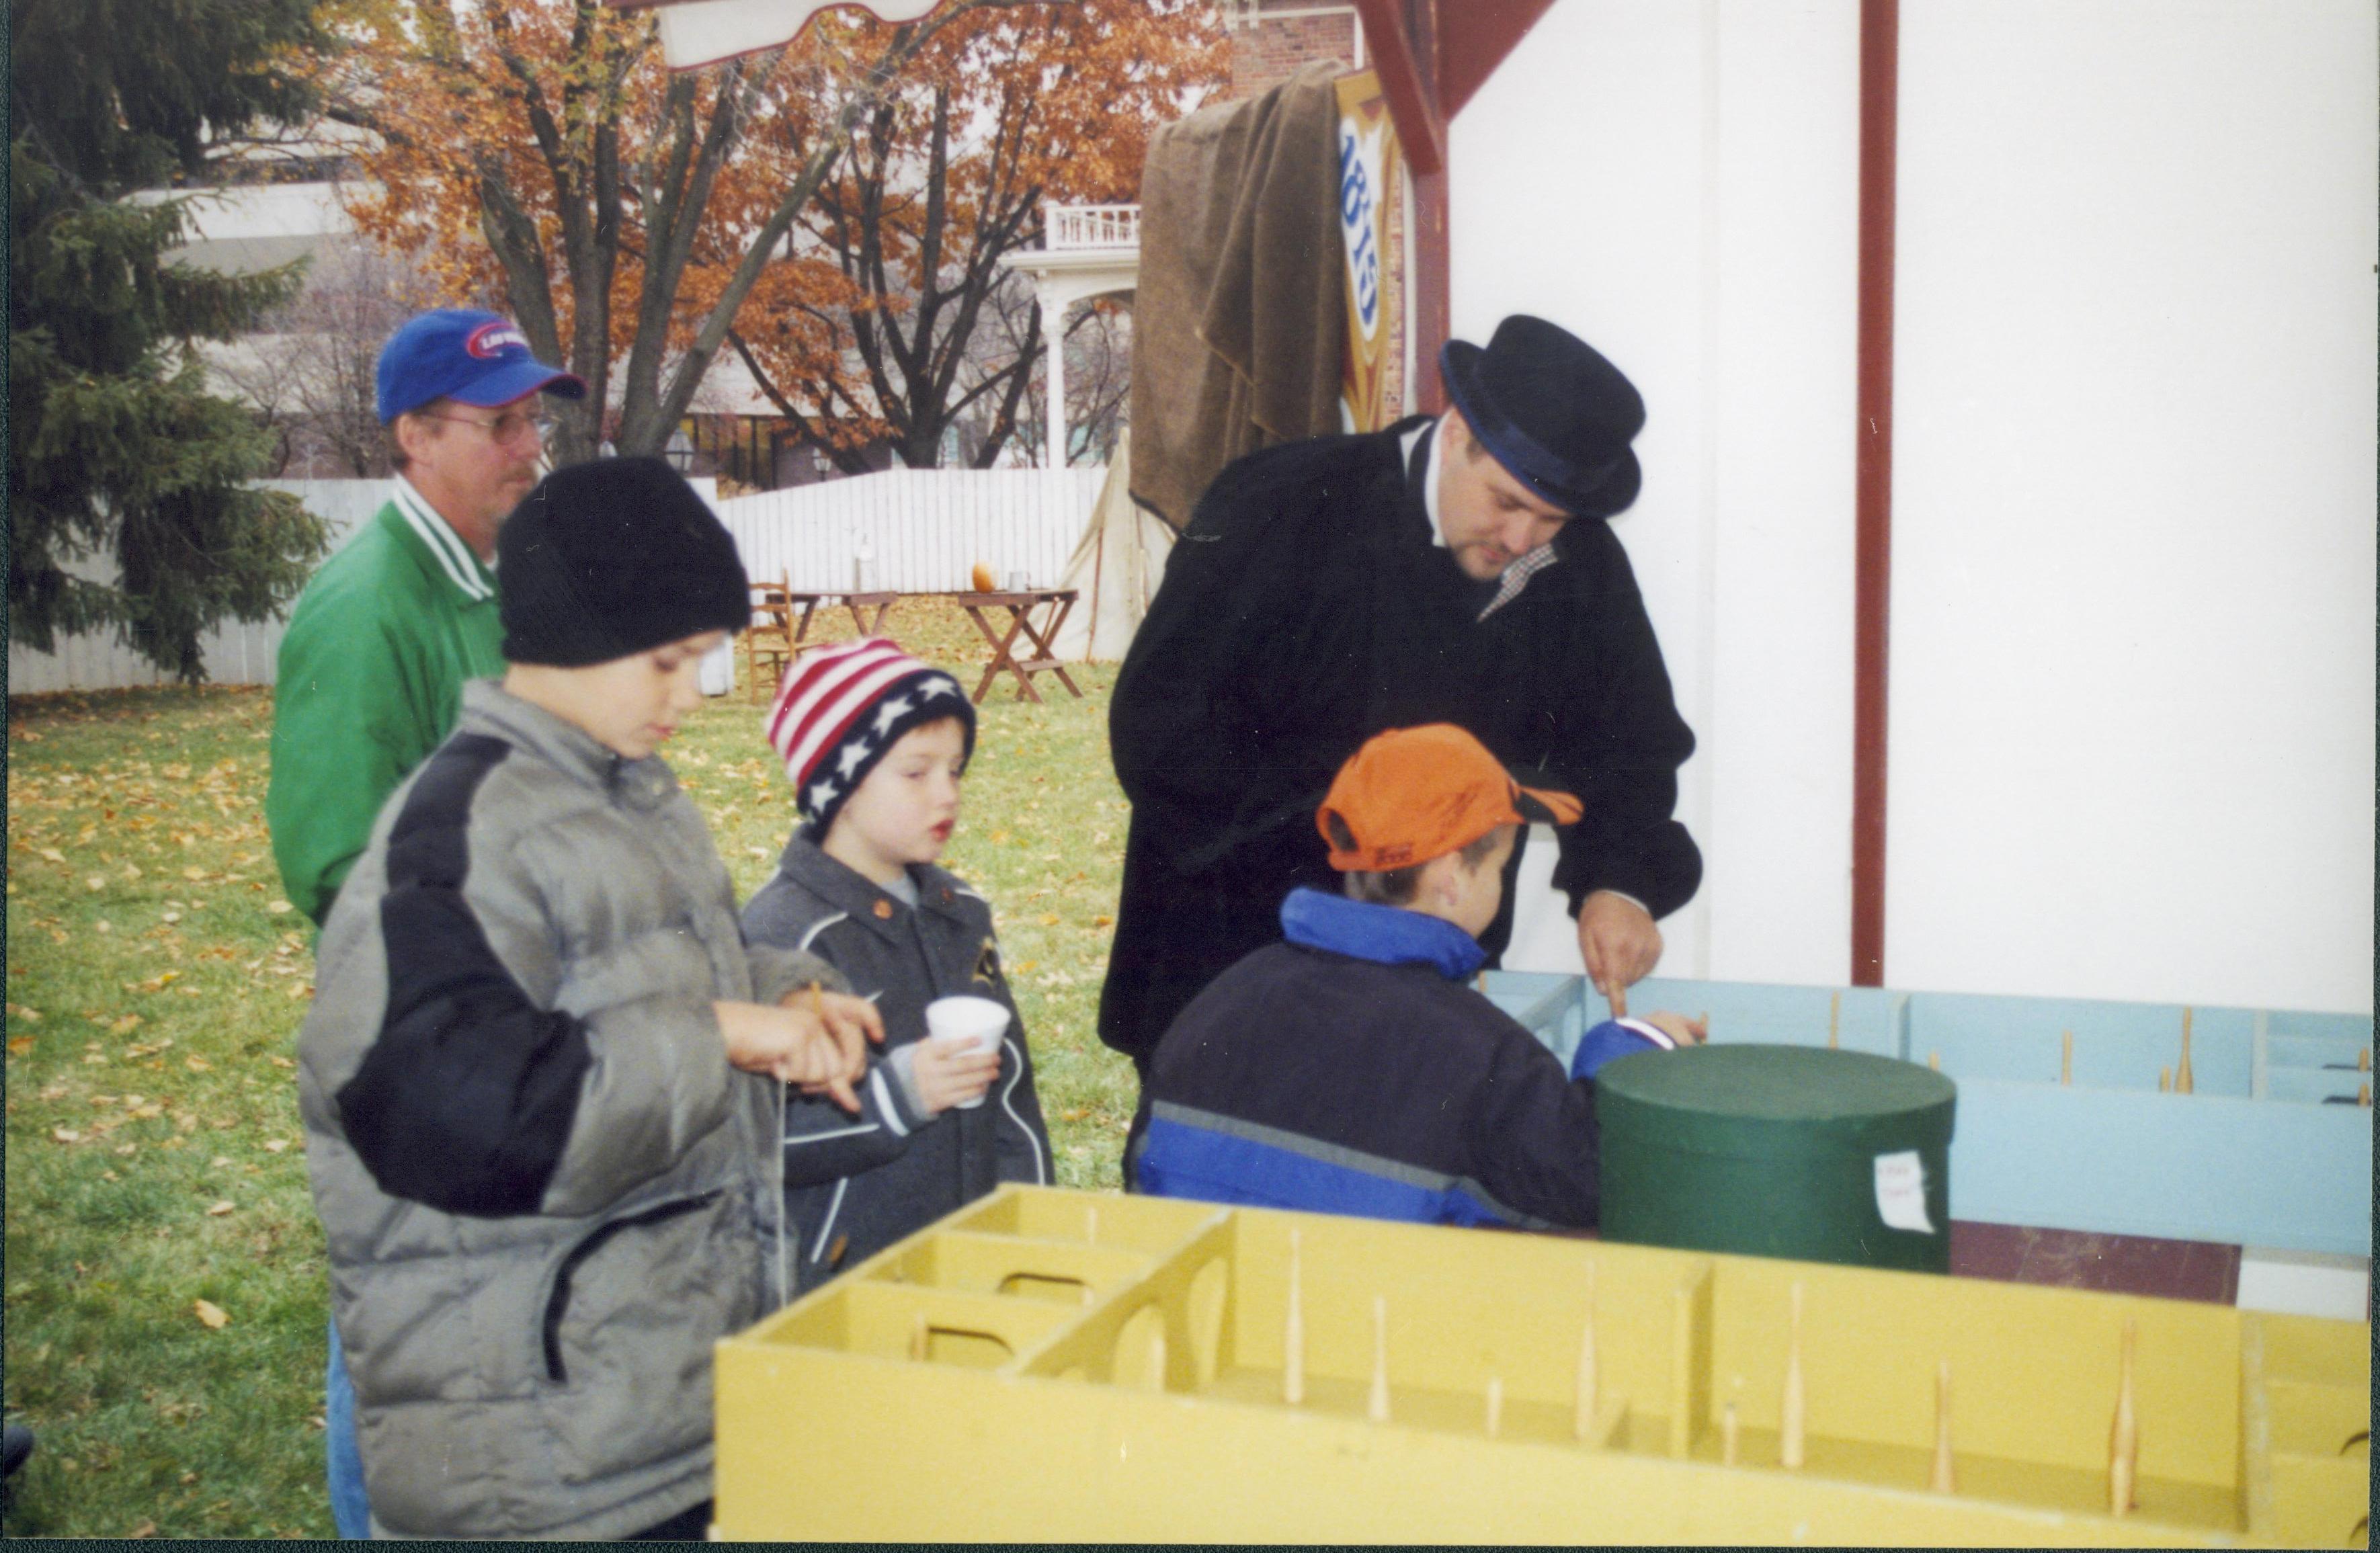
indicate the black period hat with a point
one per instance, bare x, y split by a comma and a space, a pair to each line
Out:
1554, 413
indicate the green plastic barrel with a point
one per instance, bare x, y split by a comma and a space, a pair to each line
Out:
1790, 1151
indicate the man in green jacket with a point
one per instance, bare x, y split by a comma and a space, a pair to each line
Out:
372, 668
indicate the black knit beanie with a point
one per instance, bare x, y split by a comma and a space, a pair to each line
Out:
613, 557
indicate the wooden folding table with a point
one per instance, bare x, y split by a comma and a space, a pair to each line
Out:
1052, 604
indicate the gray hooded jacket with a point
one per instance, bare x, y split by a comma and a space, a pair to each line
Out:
546, 1191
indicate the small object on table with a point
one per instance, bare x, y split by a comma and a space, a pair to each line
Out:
2165, 1081
1834, 1021
983, 579
2184, 1082
2066, 1057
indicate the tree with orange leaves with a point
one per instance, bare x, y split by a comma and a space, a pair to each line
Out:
538, 151
878, 332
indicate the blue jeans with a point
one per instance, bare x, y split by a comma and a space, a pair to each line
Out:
349, 1511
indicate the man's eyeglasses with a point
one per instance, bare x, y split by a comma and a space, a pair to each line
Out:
509, 426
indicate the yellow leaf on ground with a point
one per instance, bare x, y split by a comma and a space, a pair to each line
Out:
275, 1145
54, 854
66, 1134
95, 883
211, 1314
1048, 920
20, 1045
279, 908
124, 1025
216, 1210
146, 1528
197, 1065
194, 873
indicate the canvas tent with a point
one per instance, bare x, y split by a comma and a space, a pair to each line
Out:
1115, 568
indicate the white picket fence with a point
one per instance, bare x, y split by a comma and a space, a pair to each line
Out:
917, 530
235, 654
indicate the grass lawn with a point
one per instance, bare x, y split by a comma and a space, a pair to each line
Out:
164, 1283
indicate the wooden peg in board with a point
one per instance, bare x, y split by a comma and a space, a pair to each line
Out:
2364, 1094
1794, 1413
2183, 1082
2363, 1059
1378, 1410
2165, 1081
1934, 1060
1583, 1423
1834, 1021
1730, 1435
1495, 1407
918, 1339
2124, 1437
2065, 1056
1157, 1361
1946, 1477
1293, 1337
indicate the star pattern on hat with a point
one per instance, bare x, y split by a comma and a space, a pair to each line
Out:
888, 713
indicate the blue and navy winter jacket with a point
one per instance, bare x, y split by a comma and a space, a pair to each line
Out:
1350, 1069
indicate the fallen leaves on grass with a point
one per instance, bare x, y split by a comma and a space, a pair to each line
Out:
211, 1314
64, 1135
216, 1210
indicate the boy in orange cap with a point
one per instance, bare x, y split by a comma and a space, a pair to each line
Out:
1351, 1069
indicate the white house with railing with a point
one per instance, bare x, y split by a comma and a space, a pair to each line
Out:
1089, 250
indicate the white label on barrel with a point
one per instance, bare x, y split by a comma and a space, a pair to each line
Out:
1900, 1191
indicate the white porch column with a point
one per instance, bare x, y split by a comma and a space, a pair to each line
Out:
1053, 341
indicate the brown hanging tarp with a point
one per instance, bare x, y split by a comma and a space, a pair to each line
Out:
1239, 323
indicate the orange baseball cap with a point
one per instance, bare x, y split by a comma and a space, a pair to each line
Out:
1414, 793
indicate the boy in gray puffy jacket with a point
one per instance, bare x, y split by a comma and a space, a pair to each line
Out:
875, 742
541, 1076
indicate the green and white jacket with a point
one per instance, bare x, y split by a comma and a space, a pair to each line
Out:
370, 677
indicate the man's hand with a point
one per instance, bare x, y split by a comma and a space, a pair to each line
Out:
1620, 945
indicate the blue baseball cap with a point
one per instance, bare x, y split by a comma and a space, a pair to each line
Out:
460, 353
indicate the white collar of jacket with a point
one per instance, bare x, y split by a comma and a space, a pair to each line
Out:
852, 893
451, 559
489, 708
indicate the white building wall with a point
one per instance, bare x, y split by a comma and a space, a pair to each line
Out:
2131, 668
1678, 185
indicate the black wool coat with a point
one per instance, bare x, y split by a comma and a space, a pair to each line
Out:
1306, 608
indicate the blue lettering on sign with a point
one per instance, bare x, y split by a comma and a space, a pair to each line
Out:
1355, 208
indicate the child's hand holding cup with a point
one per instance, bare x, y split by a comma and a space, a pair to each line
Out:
969, 1028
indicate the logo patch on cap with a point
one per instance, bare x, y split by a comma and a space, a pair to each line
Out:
489, 341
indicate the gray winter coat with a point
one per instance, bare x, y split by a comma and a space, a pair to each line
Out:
855, 1184
546, 1191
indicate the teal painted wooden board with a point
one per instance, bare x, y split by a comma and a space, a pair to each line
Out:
2184, 1167
2269, 1149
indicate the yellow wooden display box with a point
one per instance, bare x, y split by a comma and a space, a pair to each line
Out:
1054, 1365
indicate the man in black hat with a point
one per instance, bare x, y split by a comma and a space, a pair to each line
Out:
1455, 571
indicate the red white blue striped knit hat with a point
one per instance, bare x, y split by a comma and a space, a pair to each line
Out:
841, 707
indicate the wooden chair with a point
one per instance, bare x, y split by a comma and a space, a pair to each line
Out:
769, 641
